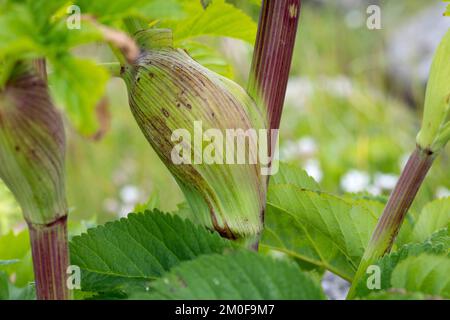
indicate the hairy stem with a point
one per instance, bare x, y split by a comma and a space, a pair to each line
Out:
395, 211
50, 259
272, 57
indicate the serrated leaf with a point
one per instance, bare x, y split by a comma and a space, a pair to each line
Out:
218, 19
318, 228
434, 216
424, 273
437, 244
78, 85
241, 275
396, 294
291, 174
138, 249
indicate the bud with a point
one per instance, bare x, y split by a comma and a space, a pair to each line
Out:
435, 131
32, 146
169, 91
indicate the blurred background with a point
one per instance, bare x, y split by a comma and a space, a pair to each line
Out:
352, 111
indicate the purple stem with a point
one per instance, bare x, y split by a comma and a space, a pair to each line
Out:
272, 57
50, 259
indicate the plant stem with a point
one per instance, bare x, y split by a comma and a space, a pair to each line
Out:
272, 57
271, 64
50, 259
395, 211
49, 243
41, 68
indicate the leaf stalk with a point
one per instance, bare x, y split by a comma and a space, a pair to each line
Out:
400, 200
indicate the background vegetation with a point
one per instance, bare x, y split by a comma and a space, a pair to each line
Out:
350, 118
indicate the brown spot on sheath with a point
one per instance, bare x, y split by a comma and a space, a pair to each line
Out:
178, 105
17, 148
188, 106
165, 112
224, 232
151, 75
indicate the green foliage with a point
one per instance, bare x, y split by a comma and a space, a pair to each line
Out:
435, 131
138, 249
396, 294
424, 273
318, 228
291, 174
16, 247
10, 292
218, 19
434, 216
240, 275
78, 85
437, 244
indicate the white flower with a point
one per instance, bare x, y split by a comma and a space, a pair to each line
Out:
129, 194
385, 181
312, 167
442, 192
355, 181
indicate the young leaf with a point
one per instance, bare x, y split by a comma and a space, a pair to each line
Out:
138, 249
79, 85
240, 275
425, 273
437, 244
434, 216
318, 228
218, 19
435, 130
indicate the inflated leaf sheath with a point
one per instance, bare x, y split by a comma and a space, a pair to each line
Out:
32, 147
168, 90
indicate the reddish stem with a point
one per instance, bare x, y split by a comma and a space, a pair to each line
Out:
50, 259
411, 178
272, 57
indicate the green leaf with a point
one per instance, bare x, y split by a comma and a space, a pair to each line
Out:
138, 249
318, 228
435, 130
397, 294
208, 57
434, 216
437, 244
16, 247
218, 19
240, 275
78, 85
292, 174
108, 12
10, 292
424, 273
